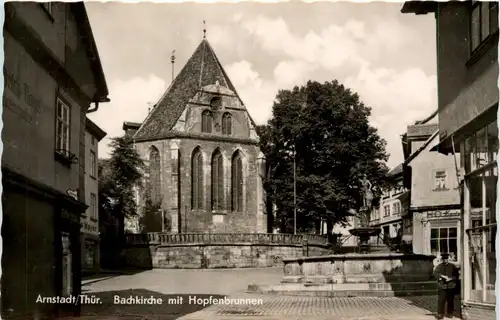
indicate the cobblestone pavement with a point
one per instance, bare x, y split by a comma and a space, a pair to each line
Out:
172, 286
283, 307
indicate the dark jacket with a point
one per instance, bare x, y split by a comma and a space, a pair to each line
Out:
449, 270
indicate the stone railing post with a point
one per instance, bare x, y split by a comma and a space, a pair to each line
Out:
305, 247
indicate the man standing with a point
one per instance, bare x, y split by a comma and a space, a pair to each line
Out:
447, 275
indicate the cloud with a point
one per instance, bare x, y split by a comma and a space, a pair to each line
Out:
377, 54
397, 100
256, 93
130, 100
259, 93
397, 97
291, 73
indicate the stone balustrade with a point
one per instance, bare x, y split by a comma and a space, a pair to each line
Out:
219, 250
158, 238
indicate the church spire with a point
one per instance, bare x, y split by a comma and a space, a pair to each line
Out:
204, 29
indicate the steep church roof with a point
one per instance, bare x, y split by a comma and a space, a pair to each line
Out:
202, 69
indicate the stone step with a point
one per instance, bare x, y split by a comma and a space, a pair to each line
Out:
328, 291
380, 285
348, 289
354, 293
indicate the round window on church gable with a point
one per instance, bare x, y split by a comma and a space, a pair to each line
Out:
216, 103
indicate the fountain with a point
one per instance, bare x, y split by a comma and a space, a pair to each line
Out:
365, 232
357, 274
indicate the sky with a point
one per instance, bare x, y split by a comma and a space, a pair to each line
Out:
388, 58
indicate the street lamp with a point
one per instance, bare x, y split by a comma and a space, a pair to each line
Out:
294, 193
294, 186
162, 220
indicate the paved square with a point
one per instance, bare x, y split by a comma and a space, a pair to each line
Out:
178, 289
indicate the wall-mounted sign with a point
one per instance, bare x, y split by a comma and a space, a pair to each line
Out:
89, 227
73, 193
443, 214
20, 98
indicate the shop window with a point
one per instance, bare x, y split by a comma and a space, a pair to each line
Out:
480, 188
444, 240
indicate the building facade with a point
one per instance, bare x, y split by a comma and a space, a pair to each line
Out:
344, 236
434, 191
393, 205
200, 144
467, 47
52, 76
90, 220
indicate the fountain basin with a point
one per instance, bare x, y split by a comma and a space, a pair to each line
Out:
371, 274
367, 231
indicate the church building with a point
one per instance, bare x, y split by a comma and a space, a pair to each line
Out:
204, 164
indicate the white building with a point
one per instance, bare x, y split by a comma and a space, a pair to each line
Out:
90, 221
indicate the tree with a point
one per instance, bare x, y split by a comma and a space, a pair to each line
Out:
119, 177
151, 217
325, 128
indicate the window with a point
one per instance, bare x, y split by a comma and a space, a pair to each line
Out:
93, 164
93, 140
444, 240
237, 183
206, 121
197, 180
62, 127
93, 206
154, 176
440, 180
396, 208
483, 22
387, 210
481, 175
227, 124
217, 182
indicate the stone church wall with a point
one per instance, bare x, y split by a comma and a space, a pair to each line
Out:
156, 250
176, 192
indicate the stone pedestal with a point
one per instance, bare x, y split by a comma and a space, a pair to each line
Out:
364, 234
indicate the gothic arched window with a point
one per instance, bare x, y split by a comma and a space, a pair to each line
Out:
217, 181
227, 124
206, 121
197, 180
237, 183
154, 175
